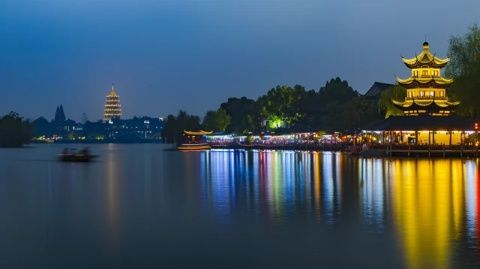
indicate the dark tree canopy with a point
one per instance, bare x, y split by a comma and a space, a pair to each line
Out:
385, 104
464, 66
282, 104
464, 53
336, 90
216, 120
175, 125
15, 131
331, 100
336, 106
243, 114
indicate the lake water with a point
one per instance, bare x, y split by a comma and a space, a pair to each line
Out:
144, 206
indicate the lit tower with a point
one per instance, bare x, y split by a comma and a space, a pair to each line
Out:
426, 88
113, 108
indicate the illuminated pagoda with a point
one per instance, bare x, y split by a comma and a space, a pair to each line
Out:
428, 115
426, 88
113, 108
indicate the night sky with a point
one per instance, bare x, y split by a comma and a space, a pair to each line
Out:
184, 54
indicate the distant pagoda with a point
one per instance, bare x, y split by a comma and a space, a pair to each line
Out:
113, 108
426, 88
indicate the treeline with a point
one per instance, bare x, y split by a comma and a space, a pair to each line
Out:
15, 131
335, 106
464, 66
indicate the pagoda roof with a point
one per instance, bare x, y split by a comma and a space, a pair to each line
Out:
423, 123
113, 93
425, 58
425, 104
414, 82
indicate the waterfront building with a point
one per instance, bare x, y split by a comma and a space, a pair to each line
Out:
428, 114
113, 108
137, 129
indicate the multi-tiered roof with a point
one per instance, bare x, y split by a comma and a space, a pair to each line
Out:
113, 108
426, 88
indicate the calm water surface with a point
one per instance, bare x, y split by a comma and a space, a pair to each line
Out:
142, 206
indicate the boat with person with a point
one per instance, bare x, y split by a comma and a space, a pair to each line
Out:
72, 155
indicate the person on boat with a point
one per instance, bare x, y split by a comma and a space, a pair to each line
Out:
85, 151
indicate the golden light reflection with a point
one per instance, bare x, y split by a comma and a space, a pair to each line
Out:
112, 191
428, 210
316, 182
432, 205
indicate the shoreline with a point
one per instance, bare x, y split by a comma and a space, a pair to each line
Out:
409, 151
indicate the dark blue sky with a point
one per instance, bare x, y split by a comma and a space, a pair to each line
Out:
164, 55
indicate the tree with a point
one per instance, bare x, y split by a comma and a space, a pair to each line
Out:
464, 66
41, 126
281, 105
174, 126
14, 131
336, 91
464, 53
244, 115
216, 120
310, 109
331, 100
385, 104
357, 113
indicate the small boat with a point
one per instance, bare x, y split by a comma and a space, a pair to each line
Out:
194, 146
71, 155
76, 157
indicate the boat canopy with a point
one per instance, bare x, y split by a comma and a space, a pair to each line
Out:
197, 133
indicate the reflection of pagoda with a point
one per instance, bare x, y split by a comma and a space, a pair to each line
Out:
113, 108
426, 88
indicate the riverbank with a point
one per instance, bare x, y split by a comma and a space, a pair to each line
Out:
311, 147
369, 151
101, 141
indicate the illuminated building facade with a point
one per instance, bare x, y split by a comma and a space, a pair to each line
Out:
426, 88
113, 108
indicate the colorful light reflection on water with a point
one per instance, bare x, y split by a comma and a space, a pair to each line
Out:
146, 206
432, 205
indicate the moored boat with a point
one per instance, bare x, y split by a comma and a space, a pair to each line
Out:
194, 146
194, 140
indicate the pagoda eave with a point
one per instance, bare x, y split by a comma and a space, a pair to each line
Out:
428, 105
411, 83
428, 65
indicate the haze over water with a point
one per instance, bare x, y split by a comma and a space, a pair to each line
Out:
142, 206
